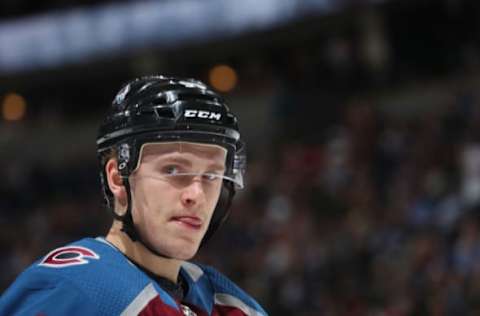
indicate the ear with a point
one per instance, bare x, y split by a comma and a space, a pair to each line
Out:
115, 183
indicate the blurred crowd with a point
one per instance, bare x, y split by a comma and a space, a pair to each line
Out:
379, 216
367, 213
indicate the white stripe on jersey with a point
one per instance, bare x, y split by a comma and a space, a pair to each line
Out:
229, 300
142, 300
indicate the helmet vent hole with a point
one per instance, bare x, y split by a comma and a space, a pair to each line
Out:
160, 100
164, 112
195, 96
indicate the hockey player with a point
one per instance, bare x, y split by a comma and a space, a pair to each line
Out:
171, 159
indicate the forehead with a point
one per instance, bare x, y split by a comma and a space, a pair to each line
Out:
193, 150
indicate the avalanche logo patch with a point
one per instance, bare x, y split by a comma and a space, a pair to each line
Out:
68, 256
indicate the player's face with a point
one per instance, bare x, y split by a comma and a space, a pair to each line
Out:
174, 193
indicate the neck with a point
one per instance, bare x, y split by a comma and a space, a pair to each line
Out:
137, 252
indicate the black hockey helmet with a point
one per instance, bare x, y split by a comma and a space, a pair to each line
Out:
165, 109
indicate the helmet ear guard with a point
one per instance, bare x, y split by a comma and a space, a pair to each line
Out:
123, 159
162, 109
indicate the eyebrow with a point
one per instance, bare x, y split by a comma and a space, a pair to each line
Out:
218, 167
176, 157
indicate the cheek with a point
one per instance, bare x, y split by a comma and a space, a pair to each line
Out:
151, 195
214, 195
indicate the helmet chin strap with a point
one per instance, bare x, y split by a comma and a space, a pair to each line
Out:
129, 226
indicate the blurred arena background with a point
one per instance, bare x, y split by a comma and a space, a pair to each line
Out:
362, 120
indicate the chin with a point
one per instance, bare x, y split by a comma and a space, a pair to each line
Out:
183, 251
183, 255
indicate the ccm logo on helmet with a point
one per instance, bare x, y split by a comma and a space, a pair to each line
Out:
203, 114
68, 256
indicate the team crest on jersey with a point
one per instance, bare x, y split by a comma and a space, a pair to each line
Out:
68, 256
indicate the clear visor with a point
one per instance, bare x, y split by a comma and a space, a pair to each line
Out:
181, 163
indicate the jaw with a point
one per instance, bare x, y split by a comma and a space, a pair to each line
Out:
181, 247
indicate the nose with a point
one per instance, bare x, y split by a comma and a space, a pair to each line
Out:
193, 194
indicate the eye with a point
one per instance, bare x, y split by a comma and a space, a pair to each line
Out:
170, 170
211, 177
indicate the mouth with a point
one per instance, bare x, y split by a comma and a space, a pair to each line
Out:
190, 222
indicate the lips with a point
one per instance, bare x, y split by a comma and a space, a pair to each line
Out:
192, 222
